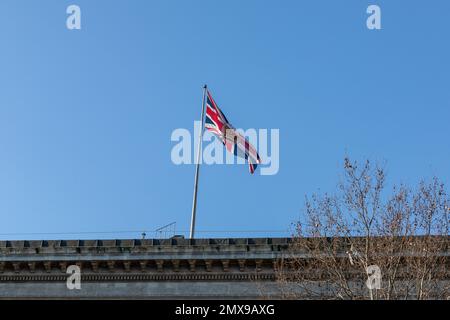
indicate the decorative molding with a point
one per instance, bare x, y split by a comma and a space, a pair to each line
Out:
208, 265
63, 266
32, 245
226, 265
258, 265
32, 266
176, 265
192, 263
241, 265
16, 266
111, 265
160, 265
108, 277
143, 265
94, 266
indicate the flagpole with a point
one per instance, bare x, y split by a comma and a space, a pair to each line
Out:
197, 169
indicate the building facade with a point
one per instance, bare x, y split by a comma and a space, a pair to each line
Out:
174, 268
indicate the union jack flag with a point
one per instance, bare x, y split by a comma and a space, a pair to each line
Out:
236, 143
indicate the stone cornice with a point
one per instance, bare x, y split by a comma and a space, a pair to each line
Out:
135, 243
140, 249
248, 276
151, 258
175, 265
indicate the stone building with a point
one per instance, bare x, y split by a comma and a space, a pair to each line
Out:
174, 268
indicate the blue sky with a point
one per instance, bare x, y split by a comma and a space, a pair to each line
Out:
86, 115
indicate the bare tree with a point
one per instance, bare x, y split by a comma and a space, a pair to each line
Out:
343, 240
